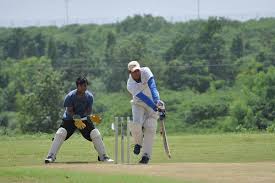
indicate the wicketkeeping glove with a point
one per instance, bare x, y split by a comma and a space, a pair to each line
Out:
95, 118
78, 122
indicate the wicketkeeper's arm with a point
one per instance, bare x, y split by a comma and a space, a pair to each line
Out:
70, 111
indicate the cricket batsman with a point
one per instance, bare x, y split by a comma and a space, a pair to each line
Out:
145, 106
78, 105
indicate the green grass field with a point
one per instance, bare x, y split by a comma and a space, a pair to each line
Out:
21, 157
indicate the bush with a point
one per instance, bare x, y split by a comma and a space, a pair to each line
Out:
8, 120
227, 124
198, 113
271, 128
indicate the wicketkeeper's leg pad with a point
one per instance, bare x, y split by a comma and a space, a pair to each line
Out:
98, 143
58, 140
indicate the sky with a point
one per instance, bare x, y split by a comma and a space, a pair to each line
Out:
60, 12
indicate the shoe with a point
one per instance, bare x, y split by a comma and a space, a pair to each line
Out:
49, 159
137, 149
144, 160
105, 159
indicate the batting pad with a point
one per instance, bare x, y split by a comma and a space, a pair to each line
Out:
150, 128
136, 130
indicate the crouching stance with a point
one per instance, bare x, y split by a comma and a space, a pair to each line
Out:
145, 104
78, 104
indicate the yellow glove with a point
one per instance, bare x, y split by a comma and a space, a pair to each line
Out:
79, 124
95, 118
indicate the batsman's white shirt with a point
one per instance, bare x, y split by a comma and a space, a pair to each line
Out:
134, 88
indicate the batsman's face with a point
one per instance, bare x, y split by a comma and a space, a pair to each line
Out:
136, 74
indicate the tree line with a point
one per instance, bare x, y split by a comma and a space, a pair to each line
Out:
214, 75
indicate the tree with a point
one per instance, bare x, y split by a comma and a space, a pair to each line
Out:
109, 47
182, 75
130, 49
259, 91
40, 109
138, 23
15, 44
183, 47
38, 91
210, 46
237, 47
51, 49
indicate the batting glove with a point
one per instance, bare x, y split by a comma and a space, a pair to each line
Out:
160, 106
162, 115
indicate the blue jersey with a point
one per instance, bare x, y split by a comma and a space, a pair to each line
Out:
80, 104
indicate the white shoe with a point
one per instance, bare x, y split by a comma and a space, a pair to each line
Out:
49, 159
106, 159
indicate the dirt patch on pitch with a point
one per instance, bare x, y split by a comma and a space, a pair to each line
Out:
263, 172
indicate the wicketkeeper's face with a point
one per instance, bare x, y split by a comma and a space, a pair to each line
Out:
82, 87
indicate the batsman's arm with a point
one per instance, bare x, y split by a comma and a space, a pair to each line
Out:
147, 100
136, 90
153, 88
156, 104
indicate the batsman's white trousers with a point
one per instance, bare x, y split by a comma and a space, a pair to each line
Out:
146, 117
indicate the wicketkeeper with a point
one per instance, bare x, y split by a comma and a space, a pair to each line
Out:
145, 106
78, 104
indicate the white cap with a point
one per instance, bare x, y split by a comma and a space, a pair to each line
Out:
133, 65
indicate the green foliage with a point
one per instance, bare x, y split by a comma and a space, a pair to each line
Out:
21, 43
199, 113
237, 47
214, 74
178, 76
138, 23
130, 49
258, 110
111, 106
38, 94
8, 120
271, 128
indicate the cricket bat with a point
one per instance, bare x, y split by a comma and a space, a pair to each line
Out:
164, 138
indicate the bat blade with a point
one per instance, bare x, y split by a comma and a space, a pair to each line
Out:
164, 138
